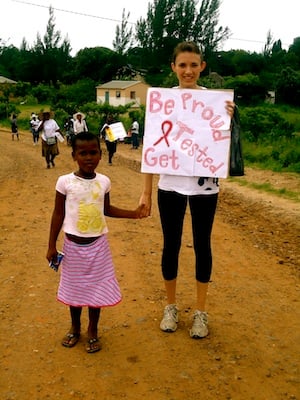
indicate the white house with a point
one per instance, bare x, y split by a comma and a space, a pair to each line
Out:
119, 93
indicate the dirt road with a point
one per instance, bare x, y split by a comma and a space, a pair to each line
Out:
252, 351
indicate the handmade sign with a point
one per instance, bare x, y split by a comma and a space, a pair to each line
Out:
187, 132
114, 131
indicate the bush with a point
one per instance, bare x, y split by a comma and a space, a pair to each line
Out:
268, 139
7, 109
264, 123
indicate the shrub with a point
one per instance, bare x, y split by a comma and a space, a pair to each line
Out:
264, 123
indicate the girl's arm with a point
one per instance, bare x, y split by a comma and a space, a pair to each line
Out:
57, 219
112, 211
146, 197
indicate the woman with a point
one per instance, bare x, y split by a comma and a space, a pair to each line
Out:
79, 123
49, 129
174, 192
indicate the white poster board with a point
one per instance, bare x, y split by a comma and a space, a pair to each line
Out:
187, 132
115, 131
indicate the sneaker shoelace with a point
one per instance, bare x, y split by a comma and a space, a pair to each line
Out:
170, 313
200, 319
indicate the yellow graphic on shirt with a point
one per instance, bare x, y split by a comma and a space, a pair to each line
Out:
109, 134
90, 218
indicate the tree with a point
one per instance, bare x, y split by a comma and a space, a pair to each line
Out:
9, 62
99, 63
51, 57
123, 40
288, 87
206, 29
295, 50
169, 22
268, 45
248, 89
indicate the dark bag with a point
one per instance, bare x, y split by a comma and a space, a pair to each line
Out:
236, 167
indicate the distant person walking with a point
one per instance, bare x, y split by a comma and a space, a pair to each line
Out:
69, 129
34, 125
135, 134
14, 127
79, 123
49, 129
110, 142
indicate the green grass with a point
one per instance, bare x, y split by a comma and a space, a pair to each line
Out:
27, 109
268, 188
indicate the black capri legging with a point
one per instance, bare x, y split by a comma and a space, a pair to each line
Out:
172, 206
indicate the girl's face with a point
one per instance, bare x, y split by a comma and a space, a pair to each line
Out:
87, 155
188, 67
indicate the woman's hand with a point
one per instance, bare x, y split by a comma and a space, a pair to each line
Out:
230, 106
145, 203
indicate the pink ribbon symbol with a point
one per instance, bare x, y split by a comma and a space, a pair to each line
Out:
165, 132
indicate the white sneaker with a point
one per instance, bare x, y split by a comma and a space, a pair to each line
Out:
199, 329
170, 319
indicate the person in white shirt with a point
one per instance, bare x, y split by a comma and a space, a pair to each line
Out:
135, 134
49, 129
34, 124
87, 278
79, 123
174, 194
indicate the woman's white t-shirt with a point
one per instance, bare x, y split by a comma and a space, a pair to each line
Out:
49, 128
80, 126
188, 185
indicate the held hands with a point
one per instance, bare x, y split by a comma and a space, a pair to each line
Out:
145, 204
140, 211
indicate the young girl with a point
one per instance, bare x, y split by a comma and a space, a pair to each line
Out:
174, 192
87, 275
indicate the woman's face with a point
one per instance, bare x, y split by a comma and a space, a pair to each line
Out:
188, 67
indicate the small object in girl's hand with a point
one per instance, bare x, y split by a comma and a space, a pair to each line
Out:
55, 264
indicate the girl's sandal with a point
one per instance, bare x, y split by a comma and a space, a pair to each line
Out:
70, 339
93, 345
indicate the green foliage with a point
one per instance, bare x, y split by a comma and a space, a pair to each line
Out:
7, 109
99, 64
71, 97
269, 139
288, 87
248, 89
169, 22
43, 93
277, 156
264, 123
124, 35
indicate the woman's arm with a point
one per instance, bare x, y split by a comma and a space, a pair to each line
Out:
146, 197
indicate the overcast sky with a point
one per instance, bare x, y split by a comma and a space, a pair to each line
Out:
92, 23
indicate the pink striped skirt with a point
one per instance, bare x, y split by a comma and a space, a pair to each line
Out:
87, 275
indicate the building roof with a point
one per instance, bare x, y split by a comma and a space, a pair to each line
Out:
118, 85
3, 79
